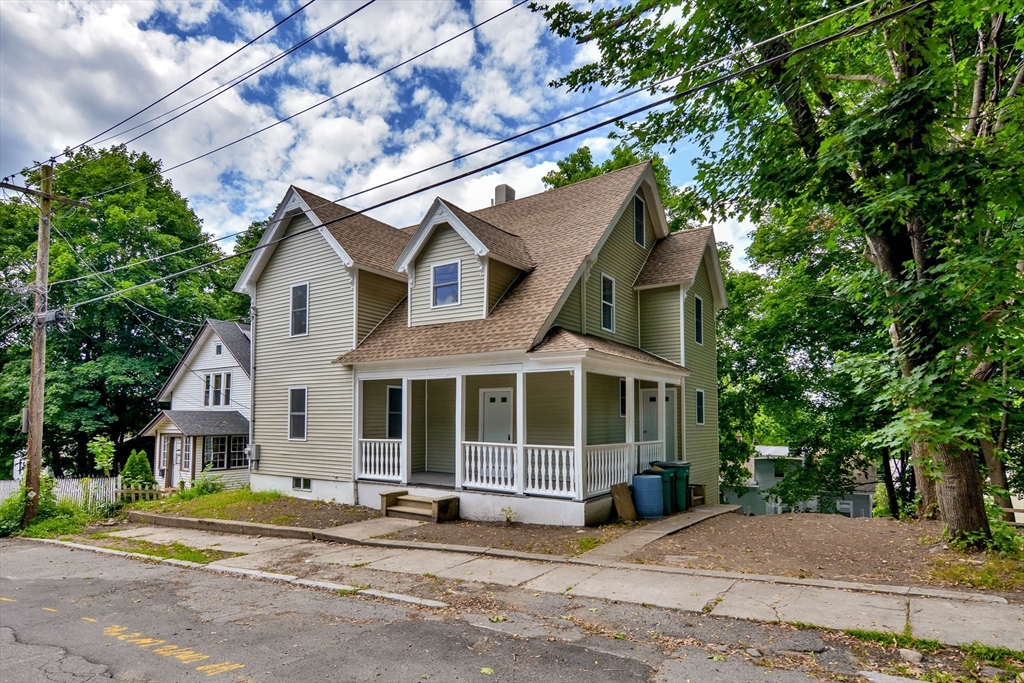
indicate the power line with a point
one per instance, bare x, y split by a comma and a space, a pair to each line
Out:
180, 87
652, 105
278, 122
221, 89
517, 136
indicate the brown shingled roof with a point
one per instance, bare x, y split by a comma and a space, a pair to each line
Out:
504, 245
560, 339
368, 241
560, 228
674, 259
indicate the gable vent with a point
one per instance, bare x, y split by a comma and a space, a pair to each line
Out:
503, 193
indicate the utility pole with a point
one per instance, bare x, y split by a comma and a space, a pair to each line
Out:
37, 379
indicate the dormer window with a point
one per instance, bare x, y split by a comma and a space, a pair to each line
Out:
218, 350
444, 280
639, 224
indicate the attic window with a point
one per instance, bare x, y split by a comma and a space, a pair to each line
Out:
607, 303
445, 284
217, 350
639, 225
299, 310
698, 320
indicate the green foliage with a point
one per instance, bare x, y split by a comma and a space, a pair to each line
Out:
137, 471
896, 640
881, 508
205, 485
11, 511
55, 518
102, 450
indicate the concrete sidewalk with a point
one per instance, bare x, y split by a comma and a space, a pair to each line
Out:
948, 617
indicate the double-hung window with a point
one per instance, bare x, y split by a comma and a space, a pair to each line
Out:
237, 456
215, 452
444, 283
622, 397
607, 303
297, 413
186, 454
217, 389
394, 428
299, 310
699, 403
698, 320
639, 222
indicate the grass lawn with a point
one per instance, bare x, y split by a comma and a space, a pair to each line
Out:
264, 507
173, 551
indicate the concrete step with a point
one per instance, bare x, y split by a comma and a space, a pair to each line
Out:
406, 512
420, 502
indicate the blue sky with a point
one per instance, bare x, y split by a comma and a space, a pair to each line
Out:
71, 69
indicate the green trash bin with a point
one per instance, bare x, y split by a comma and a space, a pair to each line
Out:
681, 487
668, 487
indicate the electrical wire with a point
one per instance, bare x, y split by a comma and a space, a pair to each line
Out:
652, 105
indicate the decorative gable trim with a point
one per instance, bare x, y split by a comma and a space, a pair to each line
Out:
439, 214
291, 206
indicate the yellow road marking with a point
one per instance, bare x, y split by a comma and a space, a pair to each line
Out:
49, 609
8, 600
89, 619
184, 654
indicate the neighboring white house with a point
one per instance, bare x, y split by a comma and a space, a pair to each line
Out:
208, 421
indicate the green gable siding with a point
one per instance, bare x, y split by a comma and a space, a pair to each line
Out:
500, 277
549, 409
440, 425
604, 425
659, 322
377, 295
702, 360
621, 258
571, 315
446, 245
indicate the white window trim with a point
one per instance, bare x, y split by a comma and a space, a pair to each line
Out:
387, 406
622, 392
511, 410
606, 276
291, 301
698, 327
643, 205
227, 453
305, 413
186, 454
208, 395
703, 403
302, 480
218, 349
458, 282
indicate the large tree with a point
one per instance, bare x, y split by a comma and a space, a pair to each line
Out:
906, 138
105, 364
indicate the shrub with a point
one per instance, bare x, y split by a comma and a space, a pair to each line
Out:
102, 450
55, 518
137, 471
204, 486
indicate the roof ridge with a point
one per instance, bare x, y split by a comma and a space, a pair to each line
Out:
470, 213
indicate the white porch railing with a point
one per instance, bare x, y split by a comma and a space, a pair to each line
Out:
550, 471
648, 452
380, 459
489, 466
604, 466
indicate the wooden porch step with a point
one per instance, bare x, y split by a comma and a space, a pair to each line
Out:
418, 502
407, 512
400, 504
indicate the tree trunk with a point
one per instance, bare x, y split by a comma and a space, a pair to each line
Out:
890, 487
996, 473
960, 495
929, 506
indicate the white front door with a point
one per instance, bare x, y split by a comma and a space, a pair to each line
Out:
649, 419
496, 415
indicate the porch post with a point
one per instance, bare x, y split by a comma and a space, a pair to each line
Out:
631, 422
357, 429
460, 429
580, 424
661, 417
520, 433
406, 464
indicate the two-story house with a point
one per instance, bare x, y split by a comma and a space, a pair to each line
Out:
528, 355
207, 424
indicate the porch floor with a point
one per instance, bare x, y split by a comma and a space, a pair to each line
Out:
442, 480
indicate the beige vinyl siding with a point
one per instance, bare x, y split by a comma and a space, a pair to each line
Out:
549, 409
474, 383
499, 277
446, 245
604, 425
621, 258
375, 401
440, 425
571, 315
702, 360
378, 295
659, 322
418, 425
283, 361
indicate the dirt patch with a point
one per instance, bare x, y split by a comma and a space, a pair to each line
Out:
264, 508
879, 550
529, 538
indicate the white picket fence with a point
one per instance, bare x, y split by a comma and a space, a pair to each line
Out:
100, 489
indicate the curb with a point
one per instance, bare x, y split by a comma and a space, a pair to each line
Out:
302, 533
240, 572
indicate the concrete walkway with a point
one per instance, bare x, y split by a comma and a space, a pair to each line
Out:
948, 617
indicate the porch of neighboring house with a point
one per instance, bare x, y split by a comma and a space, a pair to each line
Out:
567, 434
189, 441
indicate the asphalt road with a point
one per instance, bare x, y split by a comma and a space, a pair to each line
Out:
77, 616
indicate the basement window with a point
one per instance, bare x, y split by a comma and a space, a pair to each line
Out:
302, 484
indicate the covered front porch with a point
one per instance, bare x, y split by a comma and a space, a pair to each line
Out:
565, 432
